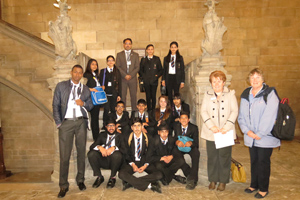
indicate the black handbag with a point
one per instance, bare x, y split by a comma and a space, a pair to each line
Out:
141, 84
163, 90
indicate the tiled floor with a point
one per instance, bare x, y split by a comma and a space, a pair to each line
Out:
284, 183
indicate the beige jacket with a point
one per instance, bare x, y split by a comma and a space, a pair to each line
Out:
221, 114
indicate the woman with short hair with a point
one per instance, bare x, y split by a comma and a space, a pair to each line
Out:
219, 111
258, 112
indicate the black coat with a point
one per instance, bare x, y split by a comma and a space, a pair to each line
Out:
151, 70
191, 132
91, 83
180, 74
116, 83
151, 120
129, 151
124, 121
101, 140
161, 150
184, 107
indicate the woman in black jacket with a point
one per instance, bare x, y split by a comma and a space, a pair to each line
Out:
91, 73
173, 76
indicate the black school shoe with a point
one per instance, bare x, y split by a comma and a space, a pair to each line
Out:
180, 179
111, 182
81, 186
155, 187
191, 185
62, 192
98, 181
126, 185
259, 196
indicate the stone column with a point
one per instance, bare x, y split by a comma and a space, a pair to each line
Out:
60, 32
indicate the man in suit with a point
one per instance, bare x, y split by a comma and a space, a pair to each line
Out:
71, 101
122, 118
166, 157
138, 152
185, 128
128, 64
105, 153
150, 71
177, 107
145, 116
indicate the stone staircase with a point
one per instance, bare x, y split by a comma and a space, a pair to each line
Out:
26, 62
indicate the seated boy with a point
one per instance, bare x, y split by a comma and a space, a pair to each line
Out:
138, 152
105, 153
122, 118
166, 157
147, 119
185, 128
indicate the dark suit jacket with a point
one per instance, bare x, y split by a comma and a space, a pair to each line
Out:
161, 150
124, 121
184, 107
101, 139
61, 98
129, 151
180, 74
151, 70
121, 64
116, 84
151, 121
191, 132
91, 83
167, 116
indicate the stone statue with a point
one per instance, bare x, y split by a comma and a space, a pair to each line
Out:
60, 32
214, 29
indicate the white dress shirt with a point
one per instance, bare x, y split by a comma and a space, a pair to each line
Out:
71, 102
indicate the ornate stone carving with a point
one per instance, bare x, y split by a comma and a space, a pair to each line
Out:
214, 29
60, 32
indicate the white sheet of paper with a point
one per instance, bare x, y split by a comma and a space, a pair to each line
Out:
224, 140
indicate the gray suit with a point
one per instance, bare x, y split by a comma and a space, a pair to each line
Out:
134, 68
70, 128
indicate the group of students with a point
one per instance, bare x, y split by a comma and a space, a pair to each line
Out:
151, 140
137, 150
121, 74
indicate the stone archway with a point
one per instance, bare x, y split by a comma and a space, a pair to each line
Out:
27, 128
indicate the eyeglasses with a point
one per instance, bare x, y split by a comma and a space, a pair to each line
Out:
120, 106
109, 126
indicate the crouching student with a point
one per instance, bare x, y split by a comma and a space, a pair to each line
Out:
122, 118
185, 128
166, 157
147, 119
105, 153
138, 152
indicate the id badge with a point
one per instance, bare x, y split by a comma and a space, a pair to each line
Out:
154, 66
129, 62
109, 84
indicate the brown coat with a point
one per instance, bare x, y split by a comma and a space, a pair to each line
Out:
222, 113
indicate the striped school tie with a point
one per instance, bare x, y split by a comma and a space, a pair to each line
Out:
172, 62
138, 148
183, 131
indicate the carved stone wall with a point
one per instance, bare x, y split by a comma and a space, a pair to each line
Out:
259, 33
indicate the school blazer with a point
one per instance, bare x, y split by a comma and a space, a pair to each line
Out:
151, 70
180, 74
191, 132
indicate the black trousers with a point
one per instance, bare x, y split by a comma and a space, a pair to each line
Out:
169, 169
109, 107
112, 162
66, 134
260, 167
172, 87
95, 121
150, 95
141, 183
218, 163
192, 172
